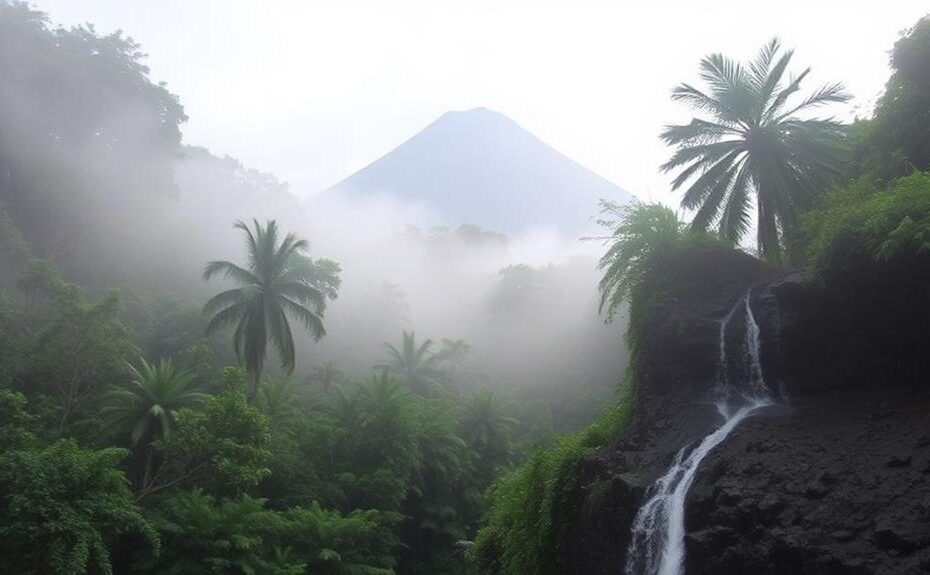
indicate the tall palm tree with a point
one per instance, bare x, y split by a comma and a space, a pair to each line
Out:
753, 142
414, 364
148, 405
275, 284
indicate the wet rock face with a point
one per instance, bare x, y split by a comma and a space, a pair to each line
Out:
680, 354
596, 544
838, 487
834, 481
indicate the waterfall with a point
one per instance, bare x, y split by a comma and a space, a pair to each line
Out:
657, 545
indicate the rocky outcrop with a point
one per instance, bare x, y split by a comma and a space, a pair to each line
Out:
839, 486
834, 479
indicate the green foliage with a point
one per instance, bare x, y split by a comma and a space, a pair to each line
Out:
62, 508
278, 281
239, 535
148, 406
443, 498
164, 327
278, 400
640, 235
383, 445
527, 507
487, 429
646, 244
364, 478
14, 421
225, 448
358, 543
866, 221
80, 350
201, 536
14, 251
416, 365
754, 144
86, 133
896, 140
327, 375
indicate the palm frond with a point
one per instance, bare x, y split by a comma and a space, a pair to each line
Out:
311, 320
230, 270
827, 94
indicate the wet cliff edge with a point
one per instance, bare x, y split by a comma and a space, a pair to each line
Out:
834, 479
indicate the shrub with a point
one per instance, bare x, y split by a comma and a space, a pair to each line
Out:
527, 506
864, 222
62, 509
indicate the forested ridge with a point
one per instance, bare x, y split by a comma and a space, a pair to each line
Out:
161, 406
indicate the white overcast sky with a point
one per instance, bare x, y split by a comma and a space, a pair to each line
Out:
314, 90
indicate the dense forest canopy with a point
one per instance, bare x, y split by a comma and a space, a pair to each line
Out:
364, 398
322, 461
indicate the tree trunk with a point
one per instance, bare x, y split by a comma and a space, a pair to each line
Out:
252, 391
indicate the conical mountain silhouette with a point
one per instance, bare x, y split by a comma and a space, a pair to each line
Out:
480, 167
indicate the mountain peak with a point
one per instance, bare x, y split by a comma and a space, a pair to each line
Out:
478, 166
480, 111
478, 118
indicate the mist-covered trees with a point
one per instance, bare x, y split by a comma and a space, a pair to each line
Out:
86, 134
278, 282
415, 364
755, 147
896, 140
74, 348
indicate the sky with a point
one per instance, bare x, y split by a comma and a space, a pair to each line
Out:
313, 91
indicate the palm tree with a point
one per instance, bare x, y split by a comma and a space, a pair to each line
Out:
278, 400
275, 284
486, 427
640, 236
344, 407
327, 374
148, 405
753, 143
381, 397
414, 364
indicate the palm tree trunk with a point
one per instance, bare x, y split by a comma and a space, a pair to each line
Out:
252, 392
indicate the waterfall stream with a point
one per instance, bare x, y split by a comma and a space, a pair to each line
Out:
657, 545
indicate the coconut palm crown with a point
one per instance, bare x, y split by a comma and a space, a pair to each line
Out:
274, 285
755, 143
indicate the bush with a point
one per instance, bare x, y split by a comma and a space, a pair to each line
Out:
62, 509
865, 223
239, 535
527, 506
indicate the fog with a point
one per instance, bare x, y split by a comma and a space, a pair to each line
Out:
526, 305
97, 178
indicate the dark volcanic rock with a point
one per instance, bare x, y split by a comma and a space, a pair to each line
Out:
822, 501
833, 480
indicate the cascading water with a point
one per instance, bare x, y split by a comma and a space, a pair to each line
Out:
657, 546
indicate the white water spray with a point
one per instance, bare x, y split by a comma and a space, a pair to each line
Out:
657, 546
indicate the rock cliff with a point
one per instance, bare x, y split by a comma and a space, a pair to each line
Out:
835, 478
